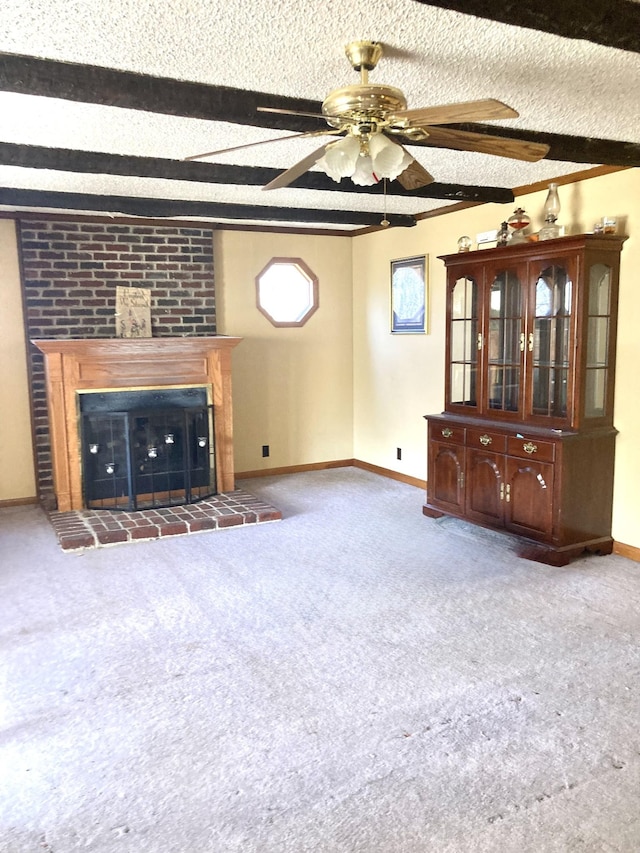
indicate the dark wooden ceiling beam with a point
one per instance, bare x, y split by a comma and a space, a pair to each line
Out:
156, 208
614, 23
97, 163
93, 84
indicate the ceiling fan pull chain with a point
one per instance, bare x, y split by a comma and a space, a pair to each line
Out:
385, 222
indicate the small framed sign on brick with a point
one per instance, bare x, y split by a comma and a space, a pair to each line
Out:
133, 312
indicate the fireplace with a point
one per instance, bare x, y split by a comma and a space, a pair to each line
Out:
142, 422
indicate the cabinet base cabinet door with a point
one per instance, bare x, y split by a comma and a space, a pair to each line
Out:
446, 477
484, 492
529, 498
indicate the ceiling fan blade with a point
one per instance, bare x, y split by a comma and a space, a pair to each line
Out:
284, 112
415, 176
287, 177
261, 142
500, 146
447, 113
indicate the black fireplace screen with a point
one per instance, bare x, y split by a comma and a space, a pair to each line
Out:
147, 448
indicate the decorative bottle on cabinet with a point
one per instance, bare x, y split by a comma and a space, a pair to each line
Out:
526, 442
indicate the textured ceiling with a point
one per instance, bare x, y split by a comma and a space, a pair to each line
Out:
559, 85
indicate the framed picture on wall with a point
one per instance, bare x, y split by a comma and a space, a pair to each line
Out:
409, 295
133, 312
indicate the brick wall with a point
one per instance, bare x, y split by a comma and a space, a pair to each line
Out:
70, 273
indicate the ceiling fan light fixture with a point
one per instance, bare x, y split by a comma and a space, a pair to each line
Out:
347, 159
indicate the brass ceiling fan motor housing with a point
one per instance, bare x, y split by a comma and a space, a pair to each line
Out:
363, 103
354, 103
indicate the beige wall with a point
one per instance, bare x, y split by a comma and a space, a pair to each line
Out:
292, 387
17, 480
398, 379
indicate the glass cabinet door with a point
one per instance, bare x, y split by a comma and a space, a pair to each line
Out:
598, 328
463, 343
549, 342
505, 342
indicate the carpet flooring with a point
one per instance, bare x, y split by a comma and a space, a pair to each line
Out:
354, 679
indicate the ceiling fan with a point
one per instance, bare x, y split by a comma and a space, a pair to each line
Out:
368, 116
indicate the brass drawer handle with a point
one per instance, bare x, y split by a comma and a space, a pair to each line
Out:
530, 447
447, 433
485, 440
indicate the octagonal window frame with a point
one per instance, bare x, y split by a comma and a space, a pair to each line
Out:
312, 282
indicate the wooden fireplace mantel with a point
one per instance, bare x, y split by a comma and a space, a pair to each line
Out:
103, 364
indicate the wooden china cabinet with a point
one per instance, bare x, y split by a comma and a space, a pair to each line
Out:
526, 442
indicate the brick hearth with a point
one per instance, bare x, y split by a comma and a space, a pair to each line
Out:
92, 528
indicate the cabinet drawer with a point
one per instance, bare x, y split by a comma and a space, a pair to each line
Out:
531, 448
451, 433
494, 441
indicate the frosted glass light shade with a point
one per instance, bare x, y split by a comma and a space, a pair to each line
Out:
340, 159
388, 158
363, 175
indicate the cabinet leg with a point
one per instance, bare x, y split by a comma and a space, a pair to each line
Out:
562, 557
601, 548
432, 513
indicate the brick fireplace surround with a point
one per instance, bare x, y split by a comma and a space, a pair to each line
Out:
70, 269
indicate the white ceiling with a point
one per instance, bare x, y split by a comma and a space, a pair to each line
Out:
558, 85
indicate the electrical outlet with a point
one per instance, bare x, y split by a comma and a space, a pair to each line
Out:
399, 453
265, 450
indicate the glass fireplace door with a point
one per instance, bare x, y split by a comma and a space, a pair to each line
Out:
139, 458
